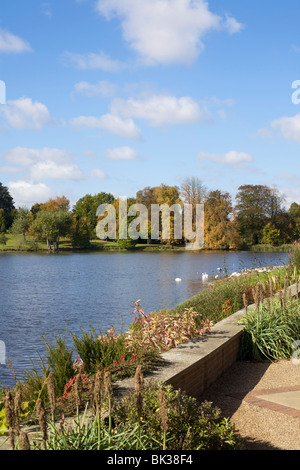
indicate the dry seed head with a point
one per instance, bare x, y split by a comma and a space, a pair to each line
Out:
9, 410
245, 301
24, 443
17, 409
139, 387
98, 391
163, 409
41, 415
108, 384
271, 287
78, 390
51, 392
139, 379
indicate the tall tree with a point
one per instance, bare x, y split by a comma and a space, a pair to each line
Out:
256, 206
51, 226
193, 191
22, 221
219, 223
86, 207
8, 207
6, 201
61, 203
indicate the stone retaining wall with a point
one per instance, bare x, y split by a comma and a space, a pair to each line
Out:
196, 364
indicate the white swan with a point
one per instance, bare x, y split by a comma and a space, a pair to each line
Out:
204, 276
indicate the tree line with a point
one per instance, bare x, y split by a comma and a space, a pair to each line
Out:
257, 216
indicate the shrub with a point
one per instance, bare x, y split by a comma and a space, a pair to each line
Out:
188, 425
165, 329
271, 329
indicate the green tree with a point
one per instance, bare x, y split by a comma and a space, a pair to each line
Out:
86, 207
256, 206
7, 204
3, 239
22, 222
294, 212
6, 201
2, 221
271, 235
51, 226
80, 232
126, 243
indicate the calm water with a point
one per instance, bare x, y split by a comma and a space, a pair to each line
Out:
43, 293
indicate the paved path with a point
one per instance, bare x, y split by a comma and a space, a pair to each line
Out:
263, 403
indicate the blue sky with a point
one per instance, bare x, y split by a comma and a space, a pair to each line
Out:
116, 95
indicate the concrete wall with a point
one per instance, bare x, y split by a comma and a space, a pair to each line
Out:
196, 364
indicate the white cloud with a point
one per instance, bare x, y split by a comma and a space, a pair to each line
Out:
121, 153
289, 127
9, 43
230, 158
50, 169
45, 163
96, 173
9, 169
26, 193
111, 123
29, 156
102, 88
164, 31
94, 61
232, 25
23, 113
160, 109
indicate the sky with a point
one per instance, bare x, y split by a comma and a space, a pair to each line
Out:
117, 95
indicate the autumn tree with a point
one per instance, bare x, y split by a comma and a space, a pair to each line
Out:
220, 226
193, 191
170, 204
61, 203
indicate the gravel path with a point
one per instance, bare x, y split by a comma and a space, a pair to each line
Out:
263, 425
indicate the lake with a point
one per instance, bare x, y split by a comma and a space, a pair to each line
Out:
42, 293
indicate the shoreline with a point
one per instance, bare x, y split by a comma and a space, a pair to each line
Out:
145, 248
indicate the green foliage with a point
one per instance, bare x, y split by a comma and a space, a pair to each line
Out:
88, 435
80, 233
295, 256
59, 361
97, 350
3, 239
22, 222
271, 235
128, 243
256, 206
86, 207
190, 425
270, 331
51, 226
6, 201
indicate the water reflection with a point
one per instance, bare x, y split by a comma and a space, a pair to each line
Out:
40, 293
